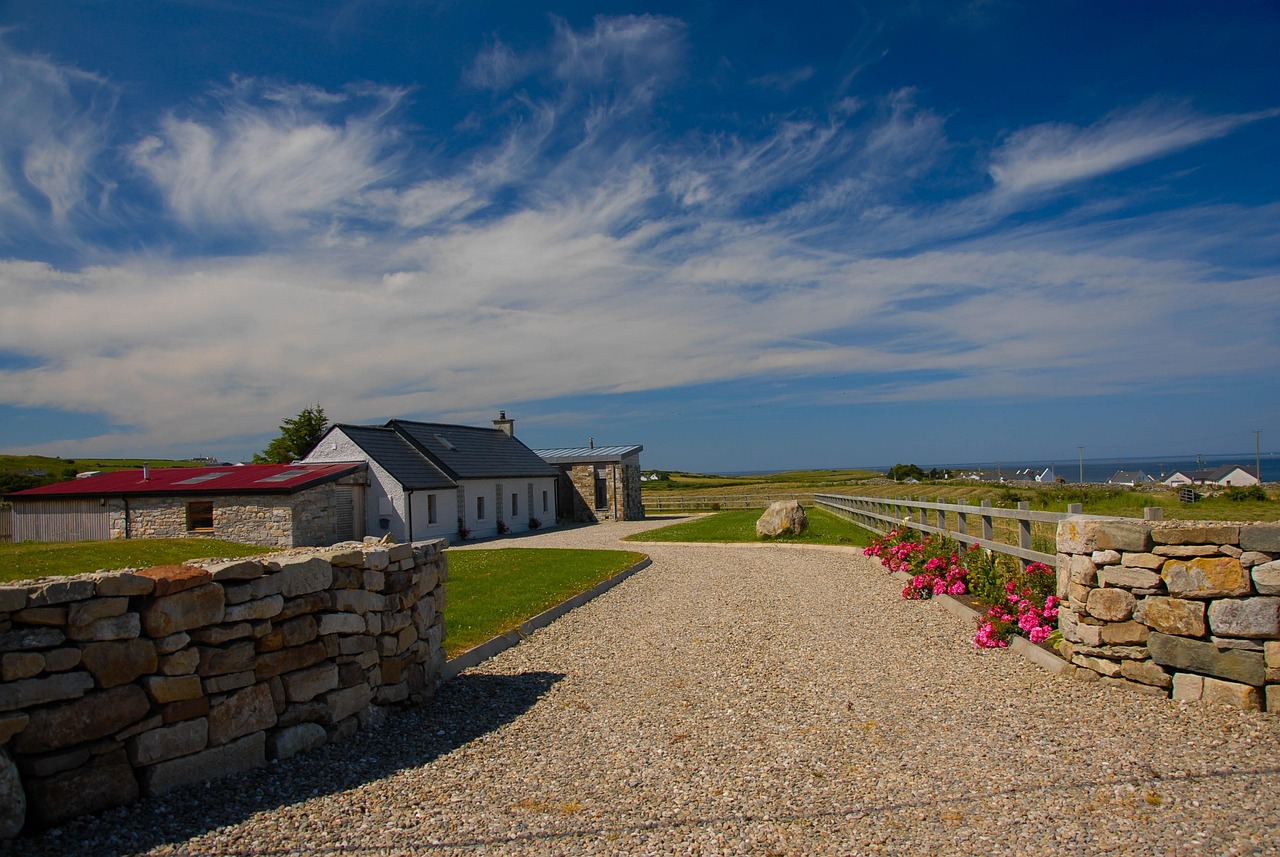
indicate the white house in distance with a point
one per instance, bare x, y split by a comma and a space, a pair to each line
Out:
428, 479
1132, 478
1228, 475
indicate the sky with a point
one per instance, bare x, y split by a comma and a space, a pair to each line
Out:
747, 235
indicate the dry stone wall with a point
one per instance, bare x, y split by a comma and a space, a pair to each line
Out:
129, 683
1182, 608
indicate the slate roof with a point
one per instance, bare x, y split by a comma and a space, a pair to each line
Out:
226, 479
467, 452
398, 456
588, 454
1216, 474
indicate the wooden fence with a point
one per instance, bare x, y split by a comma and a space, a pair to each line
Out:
657, 502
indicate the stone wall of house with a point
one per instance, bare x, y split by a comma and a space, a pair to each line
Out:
302, 519
1183, 608
632, 503
583, 479
128, 683
622, 485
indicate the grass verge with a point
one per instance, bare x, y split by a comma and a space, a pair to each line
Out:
25, 560
740, 526
493, 591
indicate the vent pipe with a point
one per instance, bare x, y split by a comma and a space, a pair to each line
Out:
146, 472
591, 443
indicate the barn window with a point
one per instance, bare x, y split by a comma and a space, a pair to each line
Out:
200, 515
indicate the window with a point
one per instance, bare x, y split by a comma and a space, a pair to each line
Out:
479, 508
200, 515
544, 501
431, 509
515, 505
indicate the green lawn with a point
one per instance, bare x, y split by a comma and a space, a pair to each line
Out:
492, 591
40, 559
740, 526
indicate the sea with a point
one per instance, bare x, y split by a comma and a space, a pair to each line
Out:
1096, 470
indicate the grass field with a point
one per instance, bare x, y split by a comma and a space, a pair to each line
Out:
492, 591
48, 559
740, 526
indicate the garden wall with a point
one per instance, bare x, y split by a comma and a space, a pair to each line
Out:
125, 683
1182, 608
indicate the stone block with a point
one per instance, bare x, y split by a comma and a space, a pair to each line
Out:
191, 608
84, 612
1101, 666
376, 559
105, 782
118, 663
1111, 605
262, 608
1206, 577
399, 552
168, 742
1134, 686
48, 617
305, 685
1232, 693
93, 716
12, 724
1145, 672
248, 710
341, 623
15, 666
61, 660
228, 682
1172, 615
1252, 558
26, 639
1266, 578
271, 664
347, 578
60, 592
1236, 643
313, 603
1272, 649
164, 689
172, 579
1231, 550
1182, 654
172, 643
389, 694
302, 576
12, 598
1260, 537
356, 645
295, 632
1141, 560
289, 742
375, 581
358, 601
122, 584
180, 663
13, 799
238, 594
234, 569
1187, 687
1185, 550
1245, 617
1124, 633
124, 627
215, 635
233, 659
343, 557
41, 691
1114, 576
1119, 535
238, 756
346, 702
186, 709
1197, 534
1082, 571
1106, 557
314, 711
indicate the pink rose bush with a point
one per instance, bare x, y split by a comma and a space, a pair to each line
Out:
938, 567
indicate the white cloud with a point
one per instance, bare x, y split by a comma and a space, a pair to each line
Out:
1047, 156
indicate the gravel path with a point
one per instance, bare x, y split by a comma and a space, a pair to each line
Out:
746, 700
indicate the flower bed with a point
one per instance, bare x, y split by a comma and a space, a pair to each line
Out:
1017, 600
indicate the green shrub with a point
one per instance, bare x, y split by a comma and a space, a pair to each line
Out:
1241, 494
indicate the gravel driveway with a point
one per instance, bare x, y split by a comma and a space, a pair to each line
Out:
746, 700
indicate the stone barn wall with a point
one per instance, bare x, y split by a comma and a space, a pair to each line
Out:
128, 683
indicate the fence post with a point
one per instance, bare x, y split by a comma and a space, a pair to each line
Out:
986, 522
941, 517
962, 520
1153, 513
1024, 526
1075, 508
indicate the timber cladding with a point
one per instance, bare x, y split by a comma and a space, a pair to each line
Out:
125, 683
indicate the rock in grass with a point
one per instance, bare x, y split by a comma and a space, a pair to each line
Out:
784, 516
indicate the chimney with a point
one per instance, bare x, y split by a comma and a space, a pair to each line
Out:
509, 426
591, 443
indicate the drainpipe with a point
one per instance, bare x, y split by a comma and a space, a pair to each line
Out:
409, 505
125, 500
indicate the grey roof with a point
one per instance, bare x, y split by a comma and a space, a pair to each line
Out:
588, 454
397, 456
1216, 474
466, 452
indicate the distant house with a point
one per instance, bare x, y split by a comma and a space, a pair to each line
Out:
598, 482
1132, 478
1046, 475
281, 505
428, 479
1228, 475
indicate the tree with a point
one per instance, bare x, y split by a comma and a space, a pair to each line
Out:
298, 436
905, 471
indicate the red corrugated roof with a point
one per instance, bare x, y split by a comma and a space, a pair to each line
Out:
231, 479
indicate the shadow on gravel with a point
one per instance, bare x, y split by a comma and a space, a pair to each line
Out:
464, 709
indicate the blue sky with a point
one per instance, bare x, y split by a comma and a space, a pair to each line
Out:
746, 235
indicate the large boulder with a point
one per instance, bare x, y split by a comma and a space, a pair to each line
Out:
784, 516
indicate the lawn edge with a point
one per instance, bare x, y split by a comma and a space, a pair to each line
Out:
479, 654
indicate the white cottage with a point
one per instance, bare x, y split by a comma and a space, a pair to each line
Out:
431, 480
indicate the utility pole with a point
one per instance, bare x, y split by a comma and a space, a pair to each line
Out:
1257, 451
1081, 448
